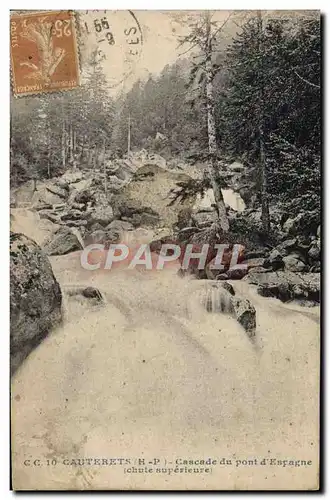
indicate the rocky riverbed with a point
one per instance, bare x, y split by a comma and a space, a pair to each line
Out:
150, 364
148, 367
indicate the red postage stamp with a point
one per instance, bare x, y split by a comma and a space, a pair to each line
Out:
44, 55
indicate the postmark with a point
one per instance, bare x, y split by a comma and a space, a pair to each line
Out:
115, 39
44, 52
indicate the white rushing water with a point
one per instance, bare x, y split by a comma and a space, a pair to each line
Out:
231, 198
152, 374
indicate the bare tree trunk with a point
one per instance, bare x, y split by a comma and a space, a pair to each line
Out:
95, 157
63, 145
265, 219
48, 165
90, 155
212, 166
129, 135
82, 150
104, 168
71, 145
74, 148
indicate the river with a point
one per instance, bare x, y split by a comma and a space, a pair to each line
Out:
152, 374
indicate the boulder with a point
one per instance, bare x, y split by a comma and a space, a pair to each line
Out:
144, 219
227, 286
75, 223
314, 252
304, 223
120, 225
59, 191
256, 254
64, 241
274, 260
252, 263
43, 195
221, 297
245, 314
50, 215
92, 293
294, 264
259, 270
103, 214
236, 273
222, 277
72, 177
35, 298
204, 218
95, 227
82, 299
42, 205
286, 246
152, 187
72, 215
283, 285
82, 196
62, 183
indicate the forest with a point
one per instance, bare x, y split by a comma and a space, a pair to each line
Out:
252, 98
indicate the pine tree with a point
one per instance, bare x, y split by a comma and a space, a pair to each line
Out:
202, 35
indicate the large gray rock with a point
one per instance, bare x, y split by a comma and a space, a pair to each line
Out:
150, 191
286, 285
274, 260
64, 241
293, 263
245, 314
252, 263
43, 195
72, 215
304, 223
204, 218
57, 190
120, 225
62, 183
71, 177
314, 252
286, 246
146, 218
103, 237
236, 273
220, 297
50, 215
42, 205
35, 298
103, 214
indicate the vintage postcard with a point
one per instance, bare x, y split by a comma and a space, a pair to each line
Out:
165, 250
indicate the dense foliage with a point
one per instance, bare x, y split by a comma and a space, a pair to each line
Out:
274, 83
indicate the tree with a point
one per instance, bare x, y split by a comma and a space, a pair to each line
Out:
273, 94
202, 35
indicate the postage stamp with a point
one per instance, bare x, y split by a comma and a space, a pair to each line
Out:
44, 54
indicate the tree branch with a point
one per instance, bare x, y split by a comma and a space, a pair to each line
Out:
223, 24
306, 81
189, 49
